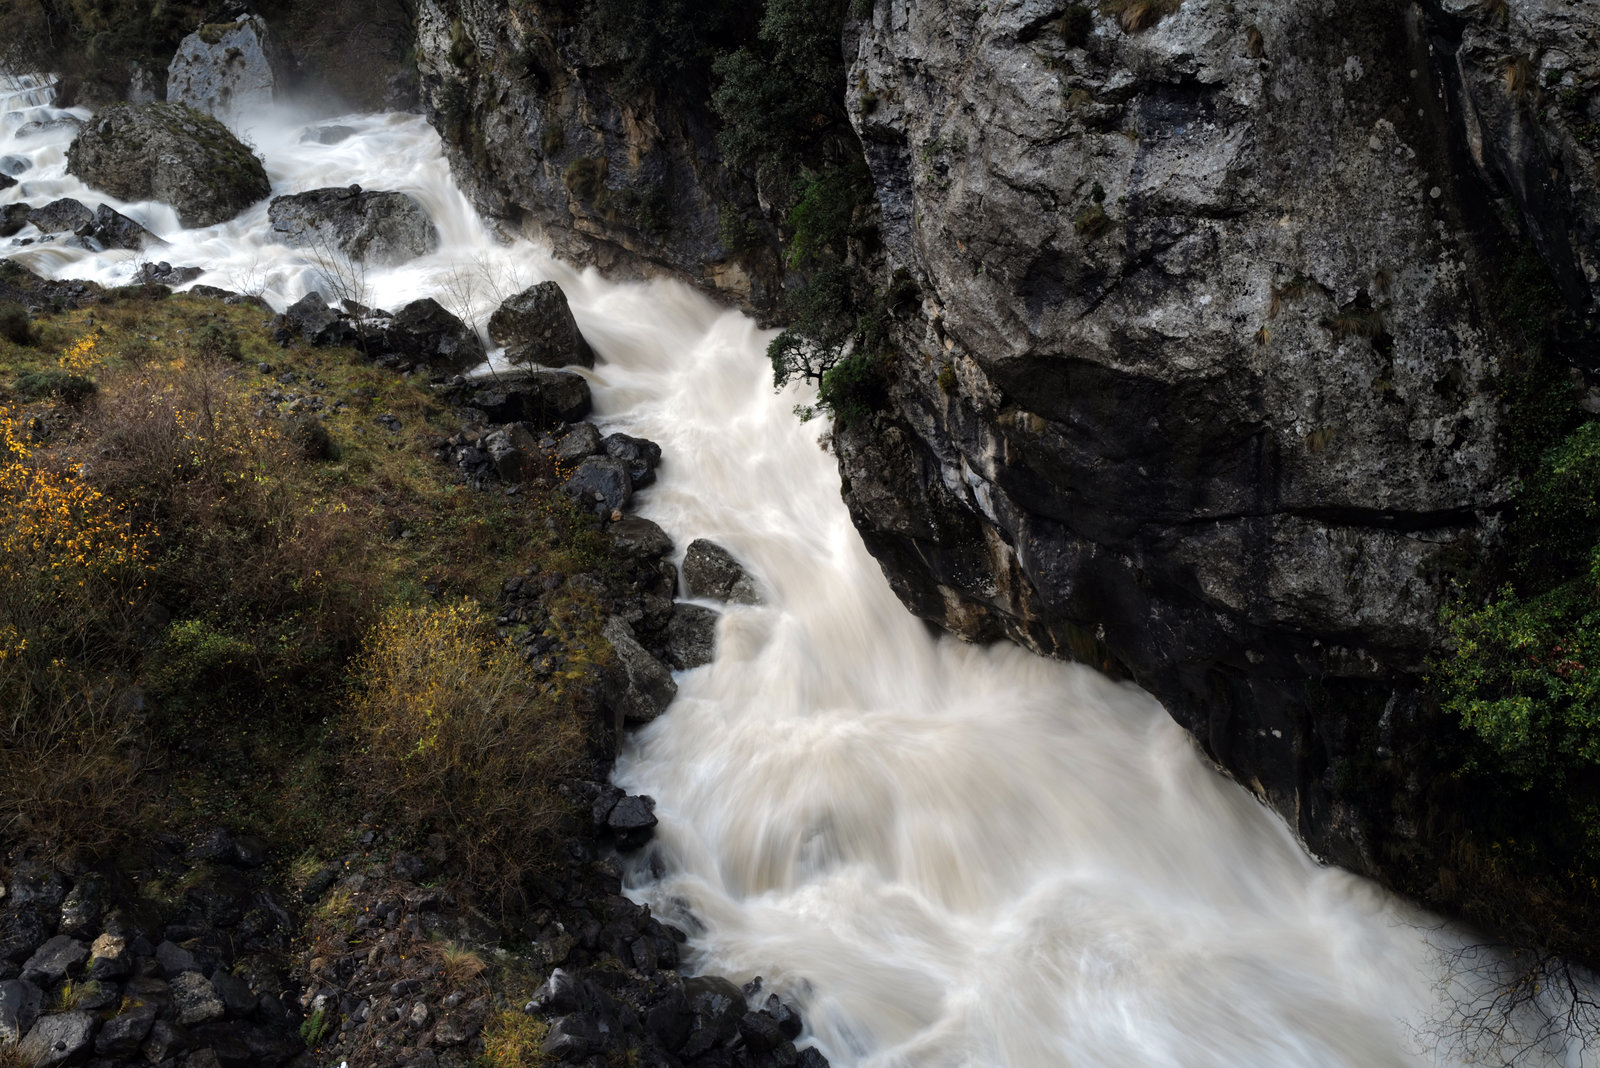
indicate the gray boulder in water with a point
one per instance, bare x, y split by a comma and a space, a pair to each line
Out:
371, 227
225, 69
710, 571
61, 216
173, 154
536, 326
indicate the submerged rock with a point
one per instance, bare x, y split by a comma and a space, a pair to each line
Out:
173, 154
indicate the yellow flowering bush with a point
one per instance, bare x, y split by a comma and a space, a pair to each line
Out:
68, 553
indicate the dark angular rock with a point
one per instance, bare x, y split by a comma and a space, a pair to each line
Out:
536, 327
175, 960
639, 539
165, 274
789, 1023
710, 571
691, 636
55, 961
641, 455
63, 1039
172, 154
312, 321
61, 216
83, 907
13, 217
579, 441
600, 484
109, 958
424, 332
811, 1057
605, 800
20, 1002
122, 1035
214, 845
235, 993
382, 228
195, 1000
112, 229
632, 820
543, 398
639, 687
572, 1038
759, 1031
511, 450
165, 1040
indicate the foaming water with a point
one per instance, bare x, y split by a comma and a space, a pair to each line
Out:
946, 855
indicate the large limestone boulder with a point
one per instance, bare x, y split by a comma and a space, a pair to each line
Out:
536, 326
170, 153
225, 69
371, 227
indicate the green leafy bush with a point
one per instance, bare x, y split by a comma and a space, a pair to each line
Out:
854, 387
15, 326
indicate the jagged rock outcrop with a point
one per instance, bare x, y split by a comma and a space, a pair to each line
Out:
380, 228
547, 134
1207, 380
173, 154
226, 69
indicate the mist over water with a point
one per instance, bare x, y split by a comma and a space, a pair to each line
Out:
946, 855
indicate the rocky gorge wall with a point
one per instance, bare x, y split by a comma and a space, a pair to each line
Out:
1210, 381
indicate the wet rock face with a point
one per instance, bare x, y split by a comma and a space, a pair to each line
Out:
546, 134
1202, 385
225, 69
381, 228
169, 153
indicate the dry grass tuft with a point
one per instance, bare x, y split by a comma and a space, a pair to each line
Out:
512, 1039
1135, 16
460, 740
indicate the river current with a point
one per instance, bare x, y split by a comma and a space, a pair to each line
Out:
946, 855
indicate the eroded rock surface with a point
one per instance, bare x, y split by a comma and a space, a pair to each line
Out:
1205, 382
226, 69
169, 153
381, 228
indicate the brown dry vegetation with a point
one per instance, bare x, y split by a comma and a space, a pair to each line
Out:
183, 637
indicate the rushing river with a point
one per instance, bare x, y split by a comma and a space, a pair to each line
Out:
946, 855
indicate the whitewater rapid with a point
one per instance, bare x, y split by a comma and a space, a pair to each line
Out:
946, 855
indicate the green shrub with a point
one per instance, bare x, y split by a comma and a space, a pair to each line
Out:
738, 234
820, 219
854, 388
69, 388
15, 326
1558, 512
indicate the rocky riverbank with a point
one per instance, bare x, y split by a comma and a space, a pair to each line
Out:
211, 945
